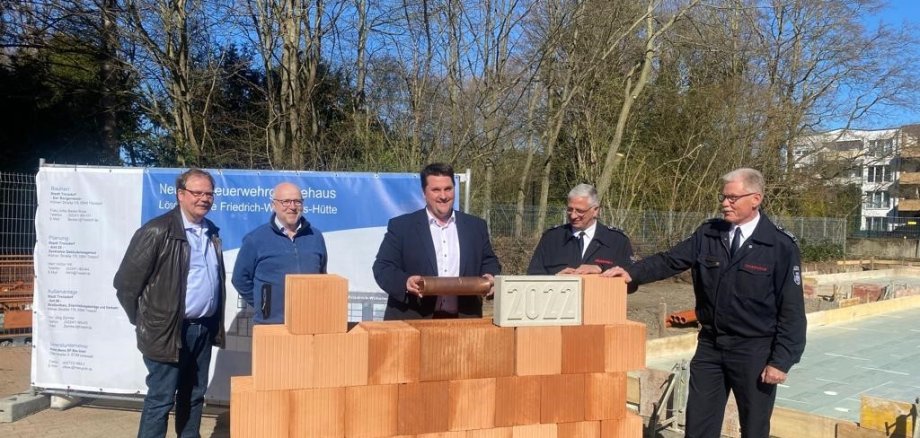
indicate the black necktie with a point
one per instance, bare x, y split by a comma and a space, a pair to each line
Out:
736, 241
581, 244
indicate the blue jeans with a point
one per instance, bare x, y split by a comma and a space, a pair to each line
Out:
184, 382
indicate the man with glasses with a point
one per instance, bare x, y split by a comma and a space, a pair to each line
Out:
749, 301
171, 285
583, 245
287, 244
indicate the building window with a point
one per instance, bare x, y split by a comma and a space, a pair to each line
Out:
877, 200
881, 148
877, 223
877, 174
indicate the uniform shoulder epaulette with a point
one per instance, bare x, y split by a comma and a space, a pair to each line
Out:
788, 233
550, 229
615, 229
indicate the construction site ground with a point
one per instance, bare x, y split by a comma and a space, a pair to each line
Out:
880, 354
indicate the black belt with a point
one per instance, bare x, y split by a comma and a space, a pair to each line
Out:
200, 321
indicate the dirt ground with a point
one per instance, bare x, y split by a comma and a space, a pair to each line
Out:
677, 294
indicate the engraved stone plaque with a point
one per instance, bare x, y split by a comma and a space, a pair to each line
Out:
537, 300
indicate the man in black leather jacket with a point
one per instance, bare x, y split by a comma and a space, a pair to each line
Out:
171, 285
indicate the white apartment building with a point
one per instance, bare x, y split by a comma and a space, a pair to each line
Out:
867, 158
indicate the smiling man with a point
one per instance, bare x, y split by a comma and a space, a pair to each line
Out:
749, 301
286, 244
171, 285
583, 245
436, 241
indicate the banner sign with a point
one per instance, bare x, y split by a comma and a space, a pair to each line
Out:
87, 215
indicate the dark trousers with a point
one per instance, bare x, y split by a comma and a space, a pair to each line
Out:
183, 383
735, 366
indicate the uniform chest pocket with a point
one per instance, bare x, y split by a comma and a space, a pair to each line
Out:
755, 280
708, 269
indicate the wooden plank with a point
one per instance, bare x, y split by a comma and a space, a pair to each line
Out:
892, 417
790, 423
846, 429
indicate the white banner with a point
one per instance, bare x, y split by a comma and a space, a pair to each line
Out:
84, 222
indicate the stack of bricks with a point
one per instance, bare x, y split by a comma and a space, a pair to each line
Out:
311, 377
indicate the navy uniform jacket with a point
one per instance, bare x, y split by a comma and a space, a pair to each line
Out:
407, 249
756, 294
558, 249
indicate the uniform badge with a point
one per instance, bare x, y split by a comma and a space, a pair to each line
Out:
796, 276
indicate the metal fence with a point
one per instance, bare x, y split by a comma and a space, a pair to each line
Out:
653, 231
17, 214
650, 231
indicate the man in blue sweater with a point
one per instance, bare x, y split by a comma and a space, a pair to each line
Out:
287, 244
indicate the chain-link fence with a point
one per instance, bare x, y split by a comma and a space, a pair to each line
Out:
653, 231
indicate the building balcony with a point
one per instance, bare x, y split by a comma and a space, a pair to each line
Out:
909, 178
908, 205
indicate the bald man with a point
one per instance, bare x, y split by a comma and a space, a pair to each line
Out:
287, 244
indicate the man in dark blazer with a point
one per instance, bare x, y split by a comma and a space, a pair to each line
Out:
434, 241
583, 245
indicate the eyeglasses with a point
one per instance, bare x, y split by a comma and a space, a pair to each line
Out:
289, 202
578, 211
198, 195
733, 198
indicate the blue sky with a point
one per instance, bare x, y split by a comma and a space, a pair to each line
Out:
897, 13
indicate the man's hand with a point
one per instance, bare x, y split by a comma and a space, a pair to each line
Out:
414, 285
617, 271
491, 284
588, 269
772, 376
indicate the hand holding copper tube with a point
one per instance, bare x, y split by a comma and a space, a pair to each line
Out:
481, 286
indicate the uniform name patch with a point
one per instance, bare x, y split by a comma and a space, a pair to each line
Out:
796, 276
758, 268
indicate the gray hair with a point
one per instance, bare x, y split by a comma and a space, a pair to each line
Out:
751, 179
584, 191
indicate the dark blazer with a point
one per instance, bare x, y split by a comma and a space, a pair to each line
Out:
407, 250
558, 249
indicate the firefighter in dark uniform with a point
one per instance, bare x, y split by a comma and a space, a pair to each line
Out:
582, 246
749, 302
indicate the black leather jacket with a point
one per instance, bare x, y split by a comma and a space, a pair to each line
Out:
150, 284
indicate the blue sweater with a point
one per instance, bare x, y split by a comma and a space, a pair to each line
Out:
267, 255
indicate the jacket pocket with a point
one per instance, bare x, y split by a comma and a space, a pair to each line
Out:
755, 281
